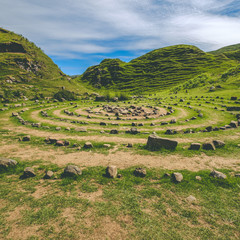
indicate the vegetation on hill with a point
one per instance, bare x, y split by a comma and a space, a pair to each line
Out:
232, 51
157, 70
25, 70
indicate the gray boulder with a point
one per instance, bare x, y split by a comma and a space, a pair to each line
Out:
195, 146
217, 174
177, 177
5, 163
28, 172
88, 145
49, 174
140, 172
218, 143
72, 170
155, 143
111, 171
208, 146
26, 138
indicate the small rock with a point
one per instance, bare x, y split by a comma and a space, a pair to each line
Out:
28, 172
60, 143
49, 174
178, 177
5, 162
237, 175
114, 131
58, 128
208, 146
119, 175
195, 146
26, 138
129, 145
111, 171
107, 145
217, 174
218, 143
72, 170
198, 178
140, 172
191, 198
88, 145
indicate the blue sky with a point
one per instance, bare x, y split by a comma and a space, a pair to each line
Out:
77, 34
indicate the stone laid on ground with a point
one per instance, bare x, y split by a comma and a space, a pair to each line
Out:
114, 131
140, 172
26, 138
208, 146
217, 174
5, 162
195, 146
72, 170
107, 145
80, 129
237, 175
28, 172
88, 145
218, 143
177, 177
233, 124
155, 143
191, 199
111, 171
49, 174
198, 178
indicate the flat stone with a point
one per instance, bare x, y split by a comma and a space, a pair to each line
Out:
156, 143
217, 174
107, 145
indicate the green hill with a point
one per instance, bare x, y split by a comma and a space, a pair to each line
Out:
232, 51
157, 70
25, 70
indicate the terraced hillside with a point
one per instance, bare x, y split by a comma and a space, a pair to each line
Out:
157, 70
25, 71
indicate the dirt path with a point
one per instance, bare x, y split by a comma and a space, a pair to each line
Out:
120, 159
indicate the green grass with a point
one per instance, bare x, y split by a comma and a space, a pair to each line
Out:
153, 207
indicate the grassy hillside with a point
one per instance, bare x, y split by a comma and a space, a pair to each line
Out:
157, 70
25, 70
232, 51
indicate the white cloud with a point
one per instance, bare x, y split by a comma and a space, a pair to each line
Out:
70, 28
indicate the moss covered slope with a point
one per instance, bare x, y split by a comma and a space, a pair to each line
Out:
159, 69
25, 70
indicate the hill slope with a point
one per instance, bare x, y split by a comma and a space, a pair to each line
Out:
156, 70
232, 51
25, 69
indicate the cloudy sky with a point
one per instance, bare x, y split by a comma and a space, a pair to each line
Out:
79, 33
